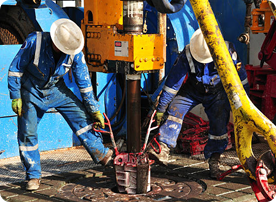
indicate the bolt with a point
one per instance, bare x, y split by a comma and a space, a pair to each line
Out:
157, 58
169, 189
146, 59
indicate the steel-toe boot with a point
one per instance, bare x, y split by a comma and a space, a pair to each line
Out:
107, 160
33, 184
162, 157
214, 165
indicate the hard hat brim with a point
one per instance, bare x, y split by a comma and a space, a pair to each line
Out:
194, 51
57, 42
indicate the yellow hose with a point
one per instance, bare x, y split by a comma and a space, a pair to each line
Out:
247, 118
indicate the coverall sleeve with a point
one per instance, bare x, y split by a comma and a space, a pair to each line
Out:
83, 81
19, 64
173, 82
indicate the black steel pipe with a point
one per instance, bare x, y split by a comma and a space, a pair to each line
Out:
133, 113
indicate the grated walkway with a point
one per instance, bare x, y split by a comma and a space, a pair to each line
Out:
71, 166
52, 162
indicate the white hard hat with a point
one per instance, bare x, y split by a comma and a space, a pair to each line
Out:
67, 36
199, 48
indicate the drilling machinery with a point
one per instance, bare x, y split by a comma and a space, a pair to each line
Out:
116, 42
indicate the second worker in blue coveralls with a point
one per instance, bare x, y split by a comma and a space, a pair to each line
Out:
36, 84
202, 84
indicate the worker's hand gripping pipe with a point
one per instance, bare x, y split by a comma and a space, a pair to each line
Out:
247, 118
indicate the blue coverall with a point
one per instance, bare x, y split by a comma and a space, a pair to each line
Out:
35, 77
202, 85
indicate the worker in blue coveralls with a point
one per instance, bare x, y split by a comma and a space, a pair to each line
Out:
36, 83
202, 84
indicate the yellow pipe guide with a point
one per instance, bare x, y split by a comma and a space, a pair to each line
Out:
247, 118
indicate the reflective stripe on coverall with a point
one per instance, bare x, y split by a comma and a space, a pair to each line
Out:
34, 77
202, 86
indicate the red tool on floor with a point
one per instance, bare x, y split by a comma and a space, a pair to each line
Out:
194, 135
265, 166
233, 169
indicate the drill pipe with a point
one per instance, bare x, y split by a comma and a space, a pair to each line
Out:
133, 114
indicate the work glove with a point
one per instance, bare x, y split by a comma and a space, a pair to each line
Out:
98, 118
159, 117
17, 106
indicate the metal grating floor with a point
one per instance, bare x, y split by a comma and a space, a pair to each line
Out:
230, 158
77, 158
52, 162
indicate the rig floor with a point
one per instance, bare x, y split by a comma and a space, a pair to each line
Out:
70, 175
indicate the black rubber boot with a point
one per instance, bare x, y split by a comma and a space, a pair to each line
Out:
214, 165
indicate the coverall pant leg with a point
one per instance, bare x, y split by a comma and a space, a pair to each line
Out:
77, 117
27, 140
177, 110
217, 109
75, 114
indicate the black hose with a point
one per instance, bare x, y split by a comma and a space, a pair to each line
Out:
150, 3
32, 2
164, 6
248, 1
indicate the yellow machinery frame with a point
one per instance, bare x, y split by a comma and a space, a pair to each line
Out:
104, 40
